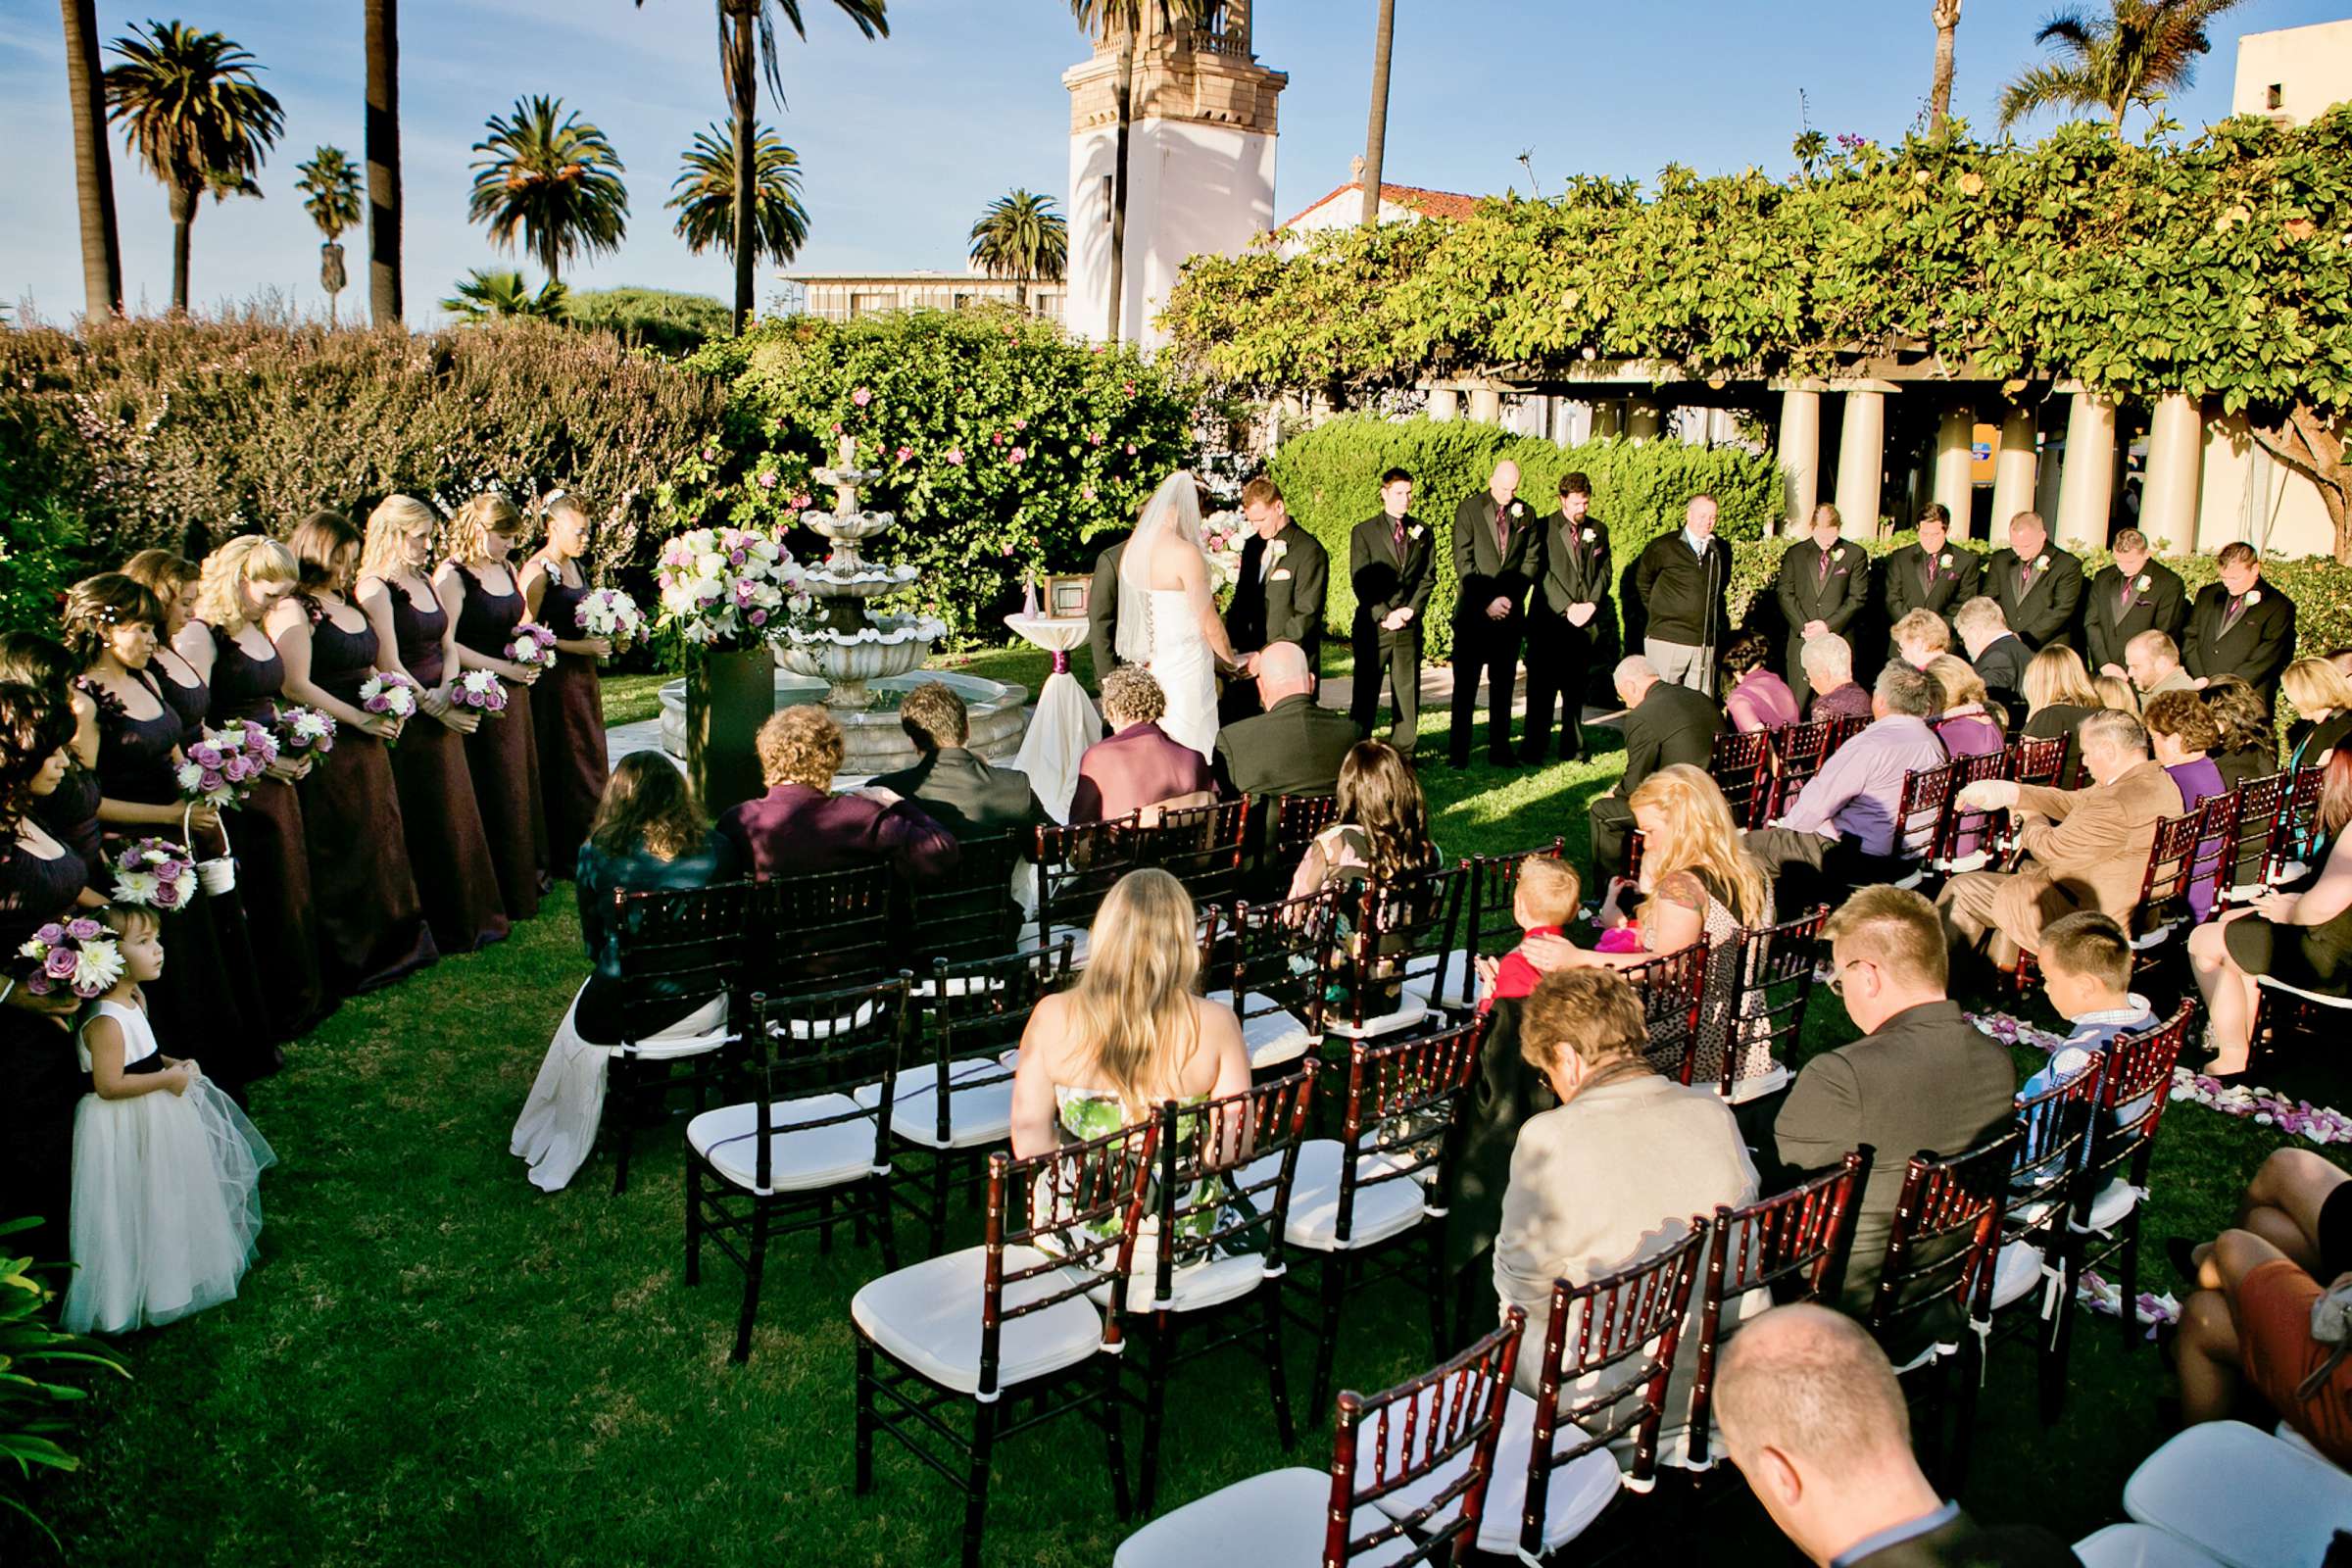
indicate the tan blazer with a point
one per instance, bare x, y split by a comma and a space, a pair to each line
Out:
2091, 853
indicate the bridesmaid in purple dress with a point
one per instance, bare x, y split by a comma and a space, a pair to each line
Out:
242, 582
448, 850
477, 590
568, 706
371, 928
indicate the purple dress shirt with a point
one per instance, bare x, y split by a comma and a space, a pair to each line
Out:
1859, 791
793, 830
1761, 701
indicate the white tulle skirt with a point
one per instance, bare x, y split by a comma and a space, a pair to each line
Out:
556, 1129
167, 1206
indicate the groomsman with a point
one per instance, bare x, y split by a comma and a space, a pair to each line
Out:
1103, 611
2241, 628
2133, 596
1571, 621
1278, 598
1823, 584
1930, 574
2038, 585
1493, 537
1681, 580
1393, 564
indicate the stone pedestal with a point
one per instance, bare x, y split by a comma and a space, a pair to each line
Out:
1799, 454
1485, 405
1445, 404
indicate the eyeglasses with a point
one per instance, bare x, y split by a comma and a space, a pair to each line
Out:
1836, 982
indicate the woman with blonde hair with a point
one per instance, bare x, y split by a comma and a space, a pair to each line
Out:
2059, 697
236, 588
480, 594
448, 849
1966, 725
2116, 693
2322, 699
568, 706
1133, 1033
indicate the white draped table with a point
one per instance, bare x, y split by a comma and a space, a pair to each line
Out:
1064, 723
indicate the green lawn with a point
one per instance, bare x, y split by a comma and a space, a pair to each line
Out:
434, 1362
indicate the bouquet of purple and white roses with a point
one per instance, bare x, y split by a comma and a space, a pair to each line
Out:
388, 695
613, 615
155, 872
533, 646
725, 588
79, 956
305, 731
223, 764
479, 690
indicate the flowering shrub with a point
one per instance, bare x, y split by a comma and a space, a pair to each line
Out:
723, 588
155, 872
480, 690
533, 646
394, 696
612, 615
79, 956
223, 764
305, 731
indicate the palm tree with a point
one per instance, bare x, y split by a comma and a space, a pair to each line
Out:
383, 161
1123, 20
2136, 54
747, 38
704, 195
195, 117
330, 187
1946, 14
553, 179
1021, 236
486, 294
93, 162
1376, 135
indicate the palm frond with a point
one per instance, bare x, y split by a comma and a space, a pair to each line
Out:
190, 109
550, 181
704, 195
2045, 86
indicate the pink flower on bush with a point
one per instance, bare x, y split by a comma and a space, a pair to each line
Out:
996, 438
861, 397
1020, 423
1131, 449
837, 430
801, 500
1094, 439
955, 457
1018, 455
1130, 389
767, 481
1087, 493
905, 452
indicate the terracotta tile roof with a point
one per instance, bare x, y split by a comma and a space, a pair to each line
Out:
1428, 203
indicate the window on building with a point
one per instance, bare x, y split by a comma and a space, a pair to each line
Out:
963, 302
2275, 96
869, 305
1105, 201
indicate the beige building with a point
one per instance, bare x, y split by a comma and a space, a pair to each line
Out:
2295, 75
847, 296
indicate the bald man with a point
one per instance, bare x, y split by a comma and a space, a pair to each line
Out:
1681, 581
1812, 1415
1495, 535
1293, 746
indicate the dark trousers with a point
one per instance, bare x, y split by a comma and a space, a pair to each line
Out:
1612, 835
1559, 665
1397, 656
1490, 648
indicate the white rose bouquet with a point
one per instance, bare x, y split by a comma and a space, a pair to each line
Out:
724, 588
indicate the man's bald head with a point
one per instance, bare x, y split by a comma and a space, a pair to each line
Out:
1506, 483
1814, 1384
1282, 671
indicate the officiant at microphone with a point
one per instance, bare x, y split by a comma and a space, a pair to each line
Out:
1278, 597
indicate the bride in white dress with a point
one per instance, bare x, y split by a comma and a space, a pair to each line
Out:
1168, 615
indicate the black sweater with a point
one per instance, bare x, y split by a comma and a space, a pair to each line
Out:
1683, 593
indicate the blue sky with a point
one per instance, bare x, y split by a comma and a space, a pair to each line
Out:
904, 140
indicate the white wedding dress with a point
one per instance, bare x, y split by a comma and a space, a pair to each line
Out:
1159, 628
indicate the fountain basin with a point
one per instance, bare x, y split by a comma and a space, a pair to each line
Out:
874, 741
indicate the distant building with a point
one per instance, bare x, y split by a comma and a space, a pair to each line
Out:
1399, 204
2295, 75
847, 296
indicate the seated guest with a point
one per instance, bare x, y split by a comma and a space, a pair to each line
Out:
1382, 834
2091, 853
1998, 653
798, 827
1294, 745
1545, 903
1921, 1077
1920, 635
648, 834
2300, 939
1829, 667
2153, 661
1139, 764
2322, 700
2182, 735
1811, 1413
1846, 814
2116, 694
1756, 699
1963, 722
2248, 748
2059, 695
1589, 1192
2248, 1328
2086, 973
2300, 1203
1664, 725
958, 789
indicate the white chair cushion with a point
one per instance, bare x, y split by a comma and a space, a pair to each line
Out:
823, 1028
1192, 1286
1274, 1520
1961, 864
798, 1160
2241, 1496
699, 1033
2289, 1436
958, 985
1578, 1490
1412, 1006
2015, 1273
1757, 1086
981, 1114
2138, 1546
1274, 1037
928, 1316
1448, 981
1382, 1212
2116, 1201
1080, 938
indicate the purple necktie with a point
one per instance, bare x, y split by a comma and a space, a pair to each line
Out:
1821, 572
2025, 578
2125, 603
2237, 607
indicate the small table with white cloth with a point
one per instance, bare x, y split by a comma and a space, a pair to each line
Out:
1064, 723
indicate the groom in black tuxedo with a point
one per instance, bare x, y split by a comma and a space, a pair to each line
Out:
1493, 535
1391, 561
1571, 621
1284, 575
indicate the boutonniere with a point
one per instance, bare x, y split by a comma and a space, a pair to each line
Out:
2142, 586
1944, 560
2254, 598
1518, 511
1415, 531
2042, 564
1277, 550
1589, 536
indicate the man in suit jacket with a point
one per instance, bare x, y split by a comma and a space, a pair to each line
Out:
1664, 725
2133, 596
1921, 1077
1930, 574
1823, 584
956, 788
1392, 564
1679, 583
1811, 1414
1139, 764
1103, 611
1278, 598
1294, 746
2038, 585
2086, 849
800, 826
1571, 621
1493, 537
2241, 628
1999, 657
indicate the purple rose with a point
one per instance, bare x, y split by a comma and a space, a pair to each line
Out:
50, 934
209, 782
168, 872
40, 986
759, 618
59, 962
205, 755
84, 930
167, 897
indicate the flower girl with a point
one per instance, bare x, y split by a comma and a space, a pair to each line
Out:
166, 1170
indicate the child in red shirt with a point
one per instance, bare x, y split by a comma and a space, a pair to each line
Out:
1548, 900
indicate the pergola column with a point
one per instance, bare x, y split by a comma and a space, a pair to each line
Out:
2086, 481
1862, 456
1485, 405
2176, 477
1954, 488
1799, 453
1644, 422
1445, 404
2012, 472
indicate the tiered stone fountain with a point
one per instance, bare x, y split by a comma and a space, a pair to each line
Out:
859, 662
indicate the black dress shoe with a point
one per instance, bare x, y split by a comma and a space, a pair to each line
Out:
2181, 1253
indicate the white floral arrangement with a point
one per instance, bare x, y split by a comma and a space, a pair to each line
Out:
479, 690
222, 767
156, 873
305, 731
724, 587
79, 955
1222, 536
613, 615
388, 695
532, 645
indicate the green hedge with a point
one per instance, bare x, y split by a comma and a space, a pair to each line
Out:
1329, 478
